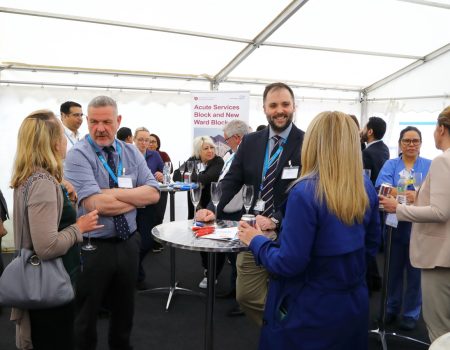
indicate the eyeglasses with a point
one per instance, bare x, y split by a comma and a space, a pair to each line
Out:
414, 142
143, 140
152, 141
226, 140
76, 115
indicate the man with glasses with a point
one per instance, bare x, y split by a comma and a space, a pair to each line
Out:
72, 118
376, 152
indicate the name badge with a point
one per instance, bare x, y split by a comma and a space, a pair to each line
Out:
289, 173
391, 220
125, 182
259, 206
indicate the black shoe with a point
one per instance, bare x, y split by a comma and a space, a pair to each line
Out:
228, 295
390, 318
157, 247
235, 311
142, 285
407, 324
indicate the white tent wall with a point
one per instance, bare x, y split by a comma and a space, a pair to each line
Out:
415, 98
166, 114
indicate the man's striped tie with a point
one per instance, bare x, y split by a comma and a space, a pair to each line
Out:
268, 182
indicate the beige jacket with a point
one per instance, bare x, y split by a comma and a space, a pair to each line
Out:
430, 239
40, 232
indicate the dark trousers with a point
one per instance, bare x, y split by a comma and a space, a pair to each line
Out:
146, 219
220, 261
108, 272
52, 329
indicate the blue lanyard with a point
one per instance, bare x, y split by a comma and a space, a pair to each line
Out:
104, 162
269, 161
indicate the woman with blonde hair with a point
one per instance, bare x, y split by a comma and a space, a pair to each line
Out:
50, 228
318, 297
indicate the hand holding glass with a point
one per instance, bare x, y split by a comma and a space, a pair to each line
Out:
216, 193
89, 246
247, 196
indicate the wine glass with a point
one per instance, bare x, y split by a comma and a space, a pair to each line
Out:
216, 193
196, 194
190, 168
89, 246
247, 196
182, 169
417, 178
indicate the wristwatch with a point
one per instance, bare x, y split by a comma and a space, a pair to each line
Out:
276, 222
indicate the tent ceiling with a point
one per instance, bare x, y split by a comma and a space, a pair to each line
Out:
344, 45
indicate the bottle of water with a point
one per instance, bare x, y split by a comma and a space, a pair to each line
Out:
401, 189
166, 174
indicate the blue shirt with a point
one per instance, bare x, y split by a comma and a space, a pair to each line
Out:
390, 174
88, 175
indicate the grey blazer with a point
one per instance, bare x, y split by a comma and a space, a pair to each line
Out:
430, 238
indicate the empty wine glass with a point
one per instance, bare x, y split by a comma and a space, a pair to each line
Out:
216, 193
89, 246
190, 168
182, 169
196, 194
417, 178
247, 196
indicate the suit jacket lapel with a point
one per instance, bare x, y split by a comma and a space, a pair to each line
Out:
260, 153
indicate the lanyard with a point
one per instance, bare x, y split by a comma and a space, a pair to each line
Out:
269, 161
103, 160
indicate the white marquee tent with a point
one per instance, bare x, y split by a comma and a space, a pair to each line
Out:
388, 58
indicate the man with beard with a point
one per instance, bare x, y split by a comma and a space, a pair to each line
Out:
269, 160
376, 152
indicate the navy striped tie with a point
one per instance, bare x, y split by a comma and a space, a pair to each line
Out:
120, 222
268, 182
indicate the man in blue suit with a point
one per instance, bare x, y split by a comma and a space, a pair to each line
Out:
269, 160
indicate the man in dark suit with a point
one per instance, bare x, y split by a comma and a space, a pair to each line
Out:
269, 160
374, 156
376, 152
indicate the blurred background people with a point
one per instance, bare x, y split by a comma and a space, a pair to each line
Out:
318, 297
147, 217
72, 118
50, 228
207, 169
405, 301
124, 134
430, 238
155, 145
376, 152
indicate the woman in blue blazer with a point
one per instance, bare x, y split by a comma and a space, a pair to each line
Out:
318, 298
